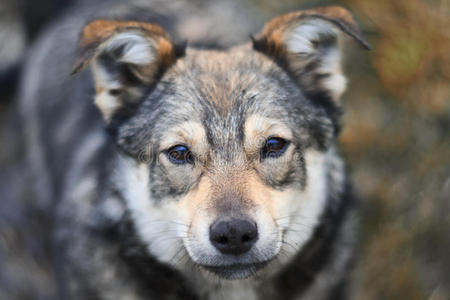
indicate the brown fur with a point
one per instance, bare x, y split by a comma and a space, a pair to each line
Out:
273, 33
97, 32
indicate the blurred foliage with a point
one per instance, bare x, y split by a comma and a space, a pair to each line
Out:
411, 57
398, 142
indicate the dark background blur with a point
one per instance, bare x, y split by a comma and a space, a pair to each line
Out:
396, 136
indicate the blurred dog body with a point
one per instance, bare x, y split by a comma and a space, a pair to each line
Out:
206, 171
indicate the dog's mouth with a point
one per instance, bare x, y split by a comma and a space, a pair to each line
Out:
235, 271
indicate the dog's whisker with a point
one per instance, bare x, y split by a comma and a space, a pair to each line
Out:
167, 221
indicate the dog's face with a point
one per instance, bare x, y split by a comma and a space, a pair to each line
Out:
223, 154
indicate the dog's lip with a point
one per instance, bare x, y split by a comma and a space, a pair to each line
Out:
235, 271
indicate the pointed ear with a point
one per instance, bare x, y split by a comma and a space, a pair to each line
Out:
125, 57
308, 44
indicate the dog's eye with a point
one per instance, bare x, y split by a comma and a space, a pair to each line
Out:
274, 147
180, 154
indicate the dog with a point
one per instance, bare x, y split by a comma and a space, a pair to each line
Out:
191, 170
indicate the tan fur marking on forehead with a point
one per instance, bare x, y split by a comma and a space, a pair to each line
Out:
191, 133
258, 128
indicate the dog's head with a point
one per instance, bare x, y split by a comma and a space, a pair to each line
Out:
223, 154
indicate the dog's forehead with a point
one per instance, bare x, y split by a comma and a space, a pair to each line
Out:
224, 88
225, 80
220, 90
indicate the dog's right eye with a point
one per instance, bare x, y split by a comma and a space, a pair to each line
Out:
180, 154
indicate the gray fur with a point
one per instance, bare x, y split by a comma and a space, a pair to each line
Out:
78, 168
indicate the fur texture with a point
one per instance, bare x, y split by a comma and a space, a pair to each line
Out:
128, 222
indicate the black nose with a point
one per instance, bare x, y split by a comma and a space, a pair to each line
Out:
233, 236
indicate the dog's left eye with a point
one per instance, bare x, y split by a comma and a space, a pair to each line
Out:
180, 154
274, 147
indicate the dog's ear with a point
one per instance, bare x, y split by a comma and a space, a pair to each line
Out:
125, 57
308, 44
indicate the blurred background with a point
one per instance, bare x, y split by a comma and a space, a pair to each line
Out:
396, 137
